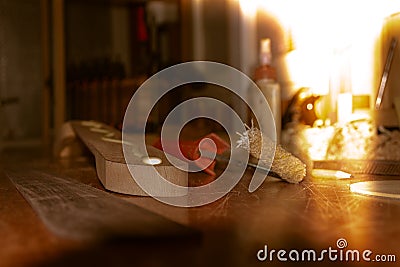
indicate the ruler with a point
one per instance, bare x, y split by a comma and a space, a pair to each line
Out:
77, 211
377, 167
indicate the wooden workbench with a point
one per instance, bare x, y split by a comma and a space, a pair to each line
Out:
311, 215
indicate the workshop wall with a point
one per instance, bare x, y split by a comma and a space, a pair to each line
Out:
20, 69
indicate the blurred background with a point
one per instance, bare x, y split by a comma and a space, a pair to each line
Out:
84, 59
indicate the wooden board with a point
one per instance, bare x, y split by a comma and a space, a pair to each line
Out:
74, 210
105, 144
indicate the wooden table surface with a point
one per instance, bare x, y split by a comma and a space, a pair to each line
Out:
311, 215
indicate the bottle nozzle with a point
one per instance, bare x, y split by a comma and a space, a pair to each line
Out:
265, 51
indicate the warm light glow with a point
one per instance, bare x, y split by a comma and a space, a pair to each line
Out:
321, 31
306, 68
151, 160
303, 95
310, 106
378, 102
344, 107
315, 141
248, 7
322, 173
99, 130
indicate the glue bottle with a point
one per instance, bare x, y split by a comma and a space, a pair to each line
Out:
265, 78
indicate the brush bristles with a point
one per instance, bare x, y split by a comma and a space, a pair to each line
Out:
287, 166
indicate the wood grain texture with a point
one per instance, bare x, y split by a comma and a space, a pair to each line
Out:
311, 215
74, 210
105, 144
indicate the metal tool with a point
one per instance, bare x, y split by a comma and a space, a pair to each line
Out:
251, 163
385, 74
